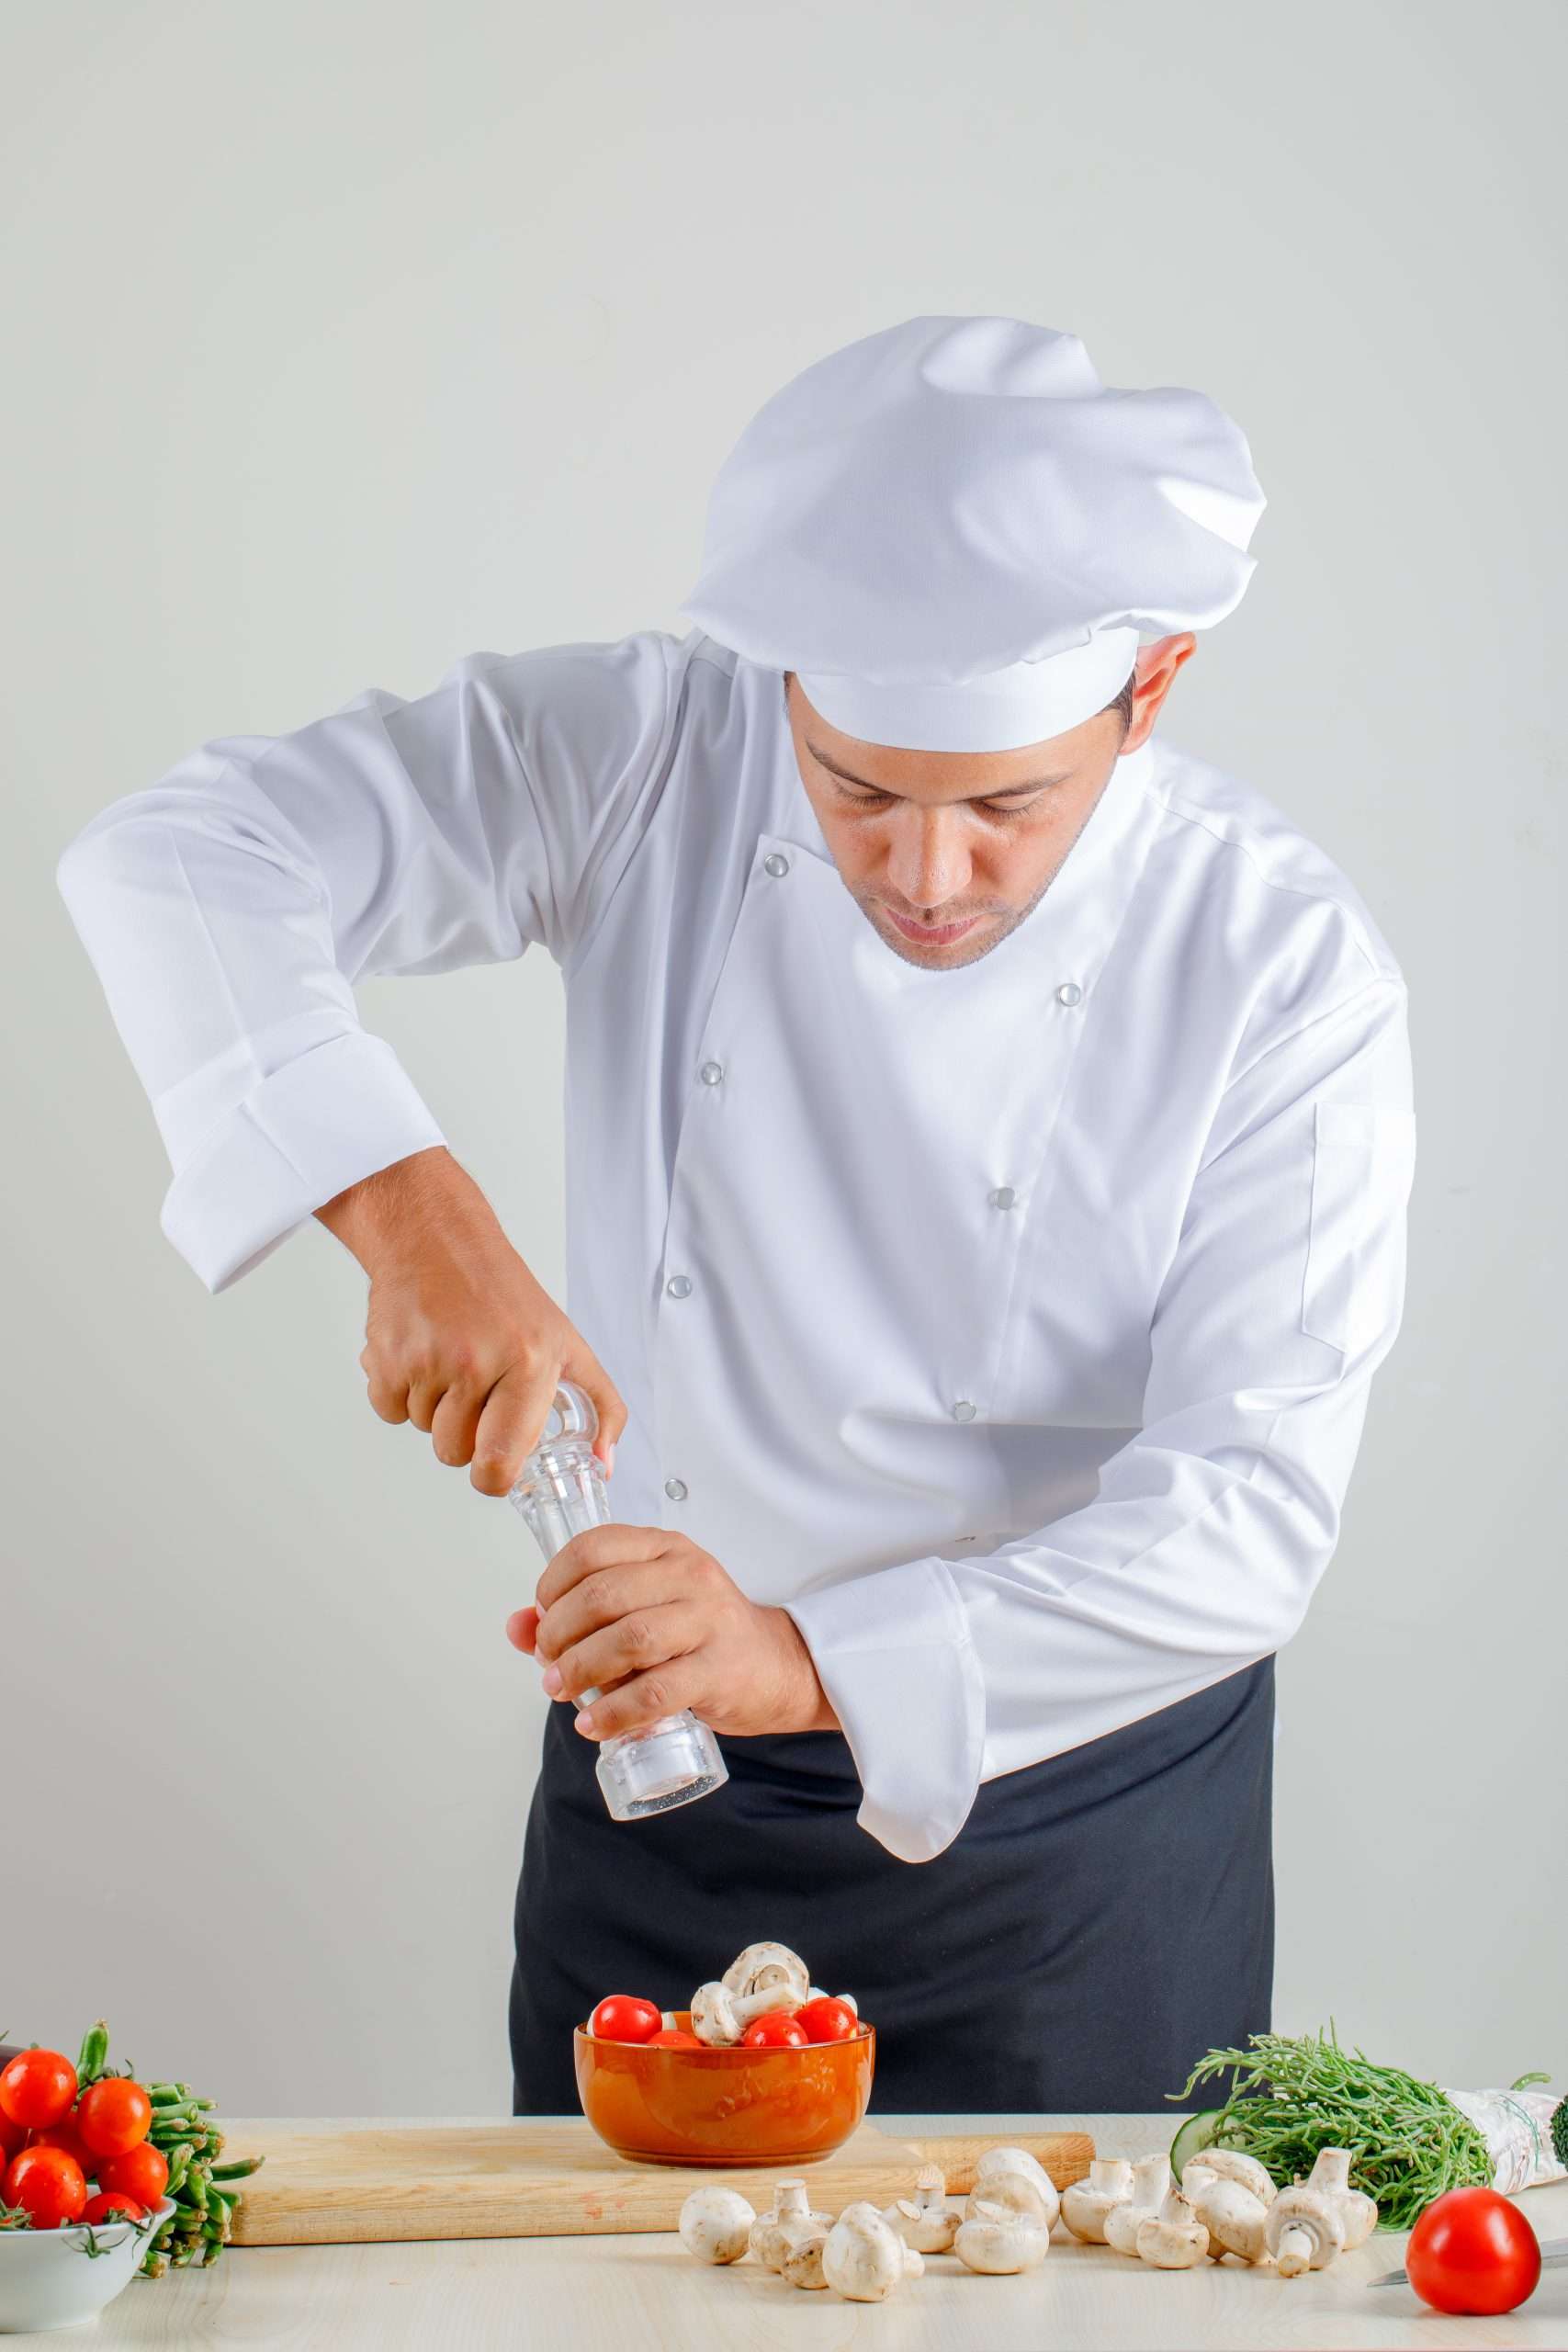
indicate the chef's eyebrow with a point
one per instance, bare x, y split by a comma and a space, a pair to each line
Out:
998, 792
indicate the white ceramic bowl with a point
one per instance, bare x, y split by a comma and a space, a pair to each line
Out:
48, 2279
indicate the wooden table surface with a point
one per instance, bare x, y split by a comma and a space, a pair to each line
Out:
644, 2294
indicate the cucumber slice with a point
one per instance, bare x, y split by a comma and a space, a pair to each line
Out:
1195, 2133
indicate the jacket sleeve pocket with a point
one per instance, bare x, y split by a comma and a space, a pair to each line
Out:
1363, 1160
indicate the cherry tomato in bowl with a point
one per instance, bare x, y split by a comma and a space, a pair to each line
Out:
113, 2115
623, 2017
673, 2037
37, 2088
778, 2029
827, 2020
48, 2184
1472, 2252
142, 2172
114, 2205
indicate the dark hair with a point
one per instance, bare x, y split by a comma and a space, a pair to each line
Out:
1123, 702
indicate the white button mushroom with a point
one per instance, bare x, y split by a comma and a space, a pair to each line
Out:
760, 1965
1303, 2232
999, 2165
1087, 2202
928, 2220
1229, 2164
804, 2241
864, 2258
1000, 2239
716, 2224
1174, 2238
1330, 2175
791, 2204
721, 2017
1151, 2184
1234, 2217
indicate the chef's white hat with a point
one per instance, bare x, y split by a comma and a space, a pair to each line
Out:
952, 532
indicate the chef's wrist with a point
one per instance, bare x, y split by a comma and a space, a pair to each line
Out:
806, 1705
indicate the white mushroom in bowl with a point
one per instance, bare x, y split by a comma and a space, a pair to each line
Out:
1304, 2231
771, 2230
1086, 2203
716, 2224
760, 1965
1173, 2238
720, 2016
1001, 2239
1151, 2184
928, 2219
866, 2259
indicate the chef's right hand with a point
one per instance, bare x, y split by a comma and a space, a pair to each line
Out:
461, 1340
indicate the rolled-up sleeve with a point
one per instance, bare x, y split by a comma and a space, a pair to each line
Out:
1201, 1549
229, 909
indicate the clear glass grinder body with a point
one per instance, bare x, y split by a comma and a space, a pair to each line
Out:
562, 1491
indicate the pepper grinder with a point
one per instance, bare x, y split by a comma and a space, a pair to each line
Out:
561, 1491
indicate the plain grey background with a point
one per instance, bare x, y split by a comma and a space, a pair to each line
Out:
348, 340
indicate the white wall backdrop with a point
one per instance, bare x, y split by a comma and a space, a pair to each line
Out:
349, 339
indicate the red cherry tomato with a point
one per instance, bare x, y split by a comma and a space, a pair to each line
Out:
66, 2135
114, 2205
623, 2017
827, 2020
49, 2183
37, 2088
1472, 2252
777, 2030
114, 2115
673, 2037
142, 2172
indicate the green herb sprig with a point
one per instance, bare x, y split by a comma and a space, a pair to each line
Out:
1293, 2094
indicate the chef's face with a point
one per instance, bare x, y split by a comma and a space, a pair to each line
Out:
946, 852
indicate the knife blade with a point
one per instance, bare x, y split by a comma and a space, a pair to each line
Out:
1553, 2256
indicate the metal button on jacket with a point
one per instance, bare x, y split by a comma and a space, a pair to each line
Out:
775, 863
1069, 993
679, 1286
676, 1489
711, 1073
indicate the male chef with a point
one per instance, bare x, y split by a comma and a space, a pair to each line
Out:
988, 1136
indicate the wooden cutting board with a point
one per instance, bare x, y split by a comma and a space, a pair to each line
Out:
556, 2179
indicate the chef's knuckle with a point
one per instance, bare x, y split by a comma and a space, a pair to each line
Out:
636, 1636
654, 1693
595, 1593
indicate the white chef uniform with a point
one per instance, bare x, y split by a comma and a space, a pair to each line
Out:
1013, 1325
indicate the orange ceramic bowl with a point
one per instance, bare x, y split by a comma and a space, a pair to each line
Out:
724, 2107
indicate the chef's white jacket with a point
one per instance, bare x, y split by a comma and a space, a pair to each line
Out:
1012, 1326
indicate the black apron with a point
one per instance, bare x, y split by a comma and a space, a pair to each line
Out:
1102, 1920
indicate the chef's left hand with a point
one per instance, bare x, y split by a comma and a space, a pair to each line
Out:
644, 1609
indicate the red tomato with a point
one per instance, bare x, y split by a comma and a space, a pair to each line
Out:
1474, 2251
66, 2135
37, 2088
623, 2017
673, 2037
114, 2205
141, 2172
49, 2183
776, 2030
114, 2115
827, 2020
